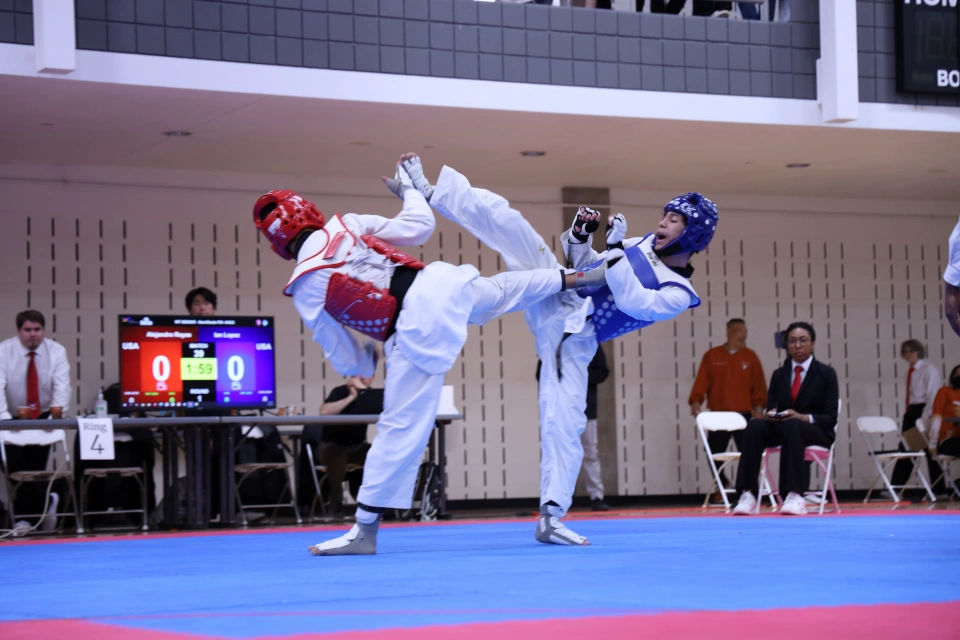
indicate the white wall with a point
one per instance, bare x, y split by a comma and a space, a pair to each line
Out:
84, 252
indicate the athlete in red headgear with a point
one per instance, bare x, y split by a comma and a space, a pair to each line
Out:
348, 276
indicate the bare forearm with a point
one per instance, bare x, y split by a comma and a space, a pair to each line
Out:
336, 407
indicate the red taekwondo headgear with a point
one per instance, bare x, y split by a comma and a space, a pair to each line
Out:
281, 215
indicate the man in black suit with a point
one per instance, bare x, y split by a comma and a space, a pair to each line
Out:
801, 411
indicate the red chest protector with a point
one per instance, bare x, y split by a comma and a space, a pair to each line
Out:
362, 306
351, 302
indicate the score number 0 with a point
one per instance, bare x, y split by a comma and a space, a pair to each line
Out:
235, 371
161, 371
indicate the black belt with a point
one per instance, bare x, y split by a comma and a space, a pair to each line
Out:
400, 283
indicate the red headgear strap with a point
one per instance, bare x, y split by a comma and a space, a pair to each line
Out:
281, 215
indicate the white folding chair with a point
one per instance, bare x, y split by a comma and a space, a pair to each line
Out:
709, 421
945, 463
886, 459
813, 453
55, 438
943, 460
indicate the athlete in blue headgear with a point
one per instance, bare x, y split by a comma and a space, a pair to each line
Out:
647, 281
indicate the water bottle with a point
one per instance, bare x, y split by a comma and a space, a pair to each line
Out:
101, 408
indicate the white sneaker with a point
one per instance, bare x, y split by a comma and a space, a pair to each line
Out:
747, 506
794, 505
49, 522
21, 528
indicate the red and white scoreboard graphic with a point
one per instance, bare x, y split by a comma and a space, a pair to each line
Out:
168, 361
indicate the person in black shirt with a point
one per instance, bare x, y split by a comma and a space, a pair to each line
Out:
342, 445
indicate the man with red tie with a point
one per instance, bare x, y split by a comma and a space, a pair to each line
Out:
923, 382
801, 411
35, 382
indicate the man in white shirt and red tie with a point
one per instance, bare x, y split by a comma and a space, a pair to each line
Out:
923, 382
34, 383
801, 411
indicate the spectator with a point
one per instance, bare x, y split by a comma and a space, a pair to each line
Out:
597, 372
752, 10
802, 411
951, 278
342, 445
34, 384
730, 378
201, 302
945, 436
663, 6
923, 381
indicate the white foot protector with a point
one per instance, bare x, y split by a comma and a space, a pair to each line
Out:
361, 540
550, 530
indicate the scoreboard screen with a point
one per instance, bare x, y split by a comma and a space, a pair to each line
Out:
215, 362
928, 56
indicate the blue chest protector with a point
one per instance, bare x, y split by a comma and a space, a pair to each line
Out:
610, 322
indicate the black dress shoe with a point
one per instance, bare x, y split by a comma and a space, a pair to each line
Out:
599, 505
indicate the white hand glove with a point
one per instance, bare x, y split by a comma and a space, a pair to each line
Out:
412, 166
616, 230
613, 255
399, 183
585, 222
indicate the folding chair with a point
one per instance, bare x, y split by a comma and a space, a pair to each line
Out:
708, 421
944, 461
319, 475
885, 459
56, 438
246, 469
813, 453
137, 473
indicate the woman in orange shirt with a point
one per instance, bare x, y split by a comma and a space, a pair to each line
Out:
945, 436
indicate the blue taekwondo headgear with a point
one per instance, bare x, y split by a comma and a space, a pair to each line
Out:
702, 217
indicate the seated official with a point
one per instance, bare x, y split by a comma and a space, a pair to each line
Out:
343, 445
34, 384
945, 436
801, 412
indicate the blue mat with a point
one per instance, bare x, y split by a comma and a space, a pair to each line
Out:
248, 585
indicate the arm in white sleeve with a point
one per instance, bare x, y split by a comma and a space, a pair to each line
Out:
578, 254
644, 304
348, 355
933, 434
932, 384
61, 380
952, 273
412, 226
4, 409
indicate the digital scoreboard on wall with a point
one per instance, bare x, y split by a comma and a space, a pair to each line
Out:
216, 362
928, 56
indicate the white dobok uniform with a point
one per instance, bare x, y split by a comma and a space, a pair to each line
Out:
429, 334
565, 325
952, 273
